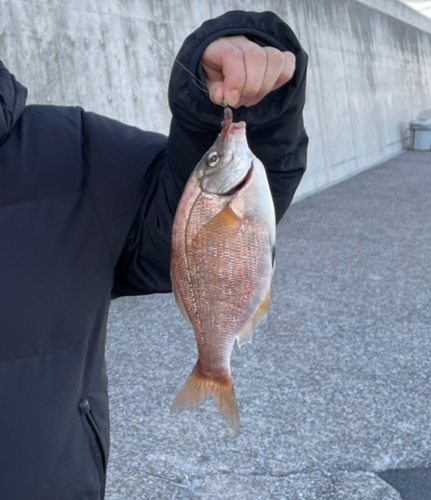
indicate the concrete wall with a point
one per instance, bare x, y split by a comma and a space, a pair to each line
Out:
370, 72
400, 10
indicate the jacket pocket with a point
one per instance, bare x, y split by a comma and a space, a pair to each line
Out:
95, 440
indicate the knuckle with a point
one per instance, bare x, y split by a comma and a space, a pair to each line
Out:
232, 50
289, 67
279, 58
290, 63
256, 53
291, 57
275, 56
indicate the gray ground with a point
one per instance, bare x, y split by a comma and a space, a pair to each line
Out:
334, 394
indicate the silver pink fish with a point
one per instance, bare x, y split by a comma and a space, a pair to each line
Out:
223, 249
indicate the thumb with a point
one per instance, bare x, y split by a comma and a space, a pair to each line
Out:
215, 90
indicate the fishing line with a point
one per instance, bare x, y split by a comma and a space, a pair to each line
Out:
199, 83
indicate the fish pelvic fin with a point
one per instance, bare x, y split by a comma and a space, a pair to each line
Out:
200, 386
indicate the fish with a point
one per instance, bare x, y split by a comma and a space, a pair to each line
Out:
222, 262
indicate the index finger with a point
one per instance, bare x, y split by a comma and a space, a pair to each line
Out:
230, 59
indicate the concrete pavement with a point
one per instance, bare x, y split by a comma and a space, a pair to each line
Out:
334, 393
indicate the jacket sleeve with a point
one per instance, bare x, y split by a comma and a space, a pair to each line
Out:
275, 134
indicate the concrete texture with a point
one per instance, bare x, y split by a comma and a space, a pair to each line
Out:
334, 393
406, 13
370, 66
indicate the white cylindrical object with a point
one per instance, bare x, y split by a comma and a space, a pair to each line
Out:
420, 135
420, 139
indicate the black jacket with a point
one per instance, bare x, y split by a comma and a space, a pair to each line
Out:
86, 210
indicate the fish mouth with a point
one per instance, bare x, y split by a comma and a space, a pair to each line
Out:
227, 120
229, 127
240, 184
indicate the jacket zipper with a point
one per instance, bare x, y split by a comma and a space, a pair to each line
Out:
96, 445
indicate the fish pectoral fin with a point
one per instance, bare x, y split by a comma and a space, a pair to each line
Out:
226, 220
199, 387
229, 217
245, 335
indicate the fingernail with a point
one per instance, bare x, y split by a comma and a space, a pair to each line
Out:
233, 98
218, 97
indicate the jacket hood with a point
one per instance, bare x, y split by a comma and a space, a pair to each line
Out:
12, 101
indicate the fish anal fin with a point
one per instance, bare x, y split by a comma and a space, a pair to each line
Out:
264, 306
200, 386
245, 335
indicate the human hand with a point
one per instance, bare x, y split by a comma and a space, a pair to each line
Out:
243, 73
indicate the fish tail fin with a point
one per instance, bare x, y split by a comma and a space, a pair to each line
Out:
224, 397
200, 386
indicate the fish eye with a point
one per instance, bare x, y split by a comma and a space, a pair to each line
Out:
212, 159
